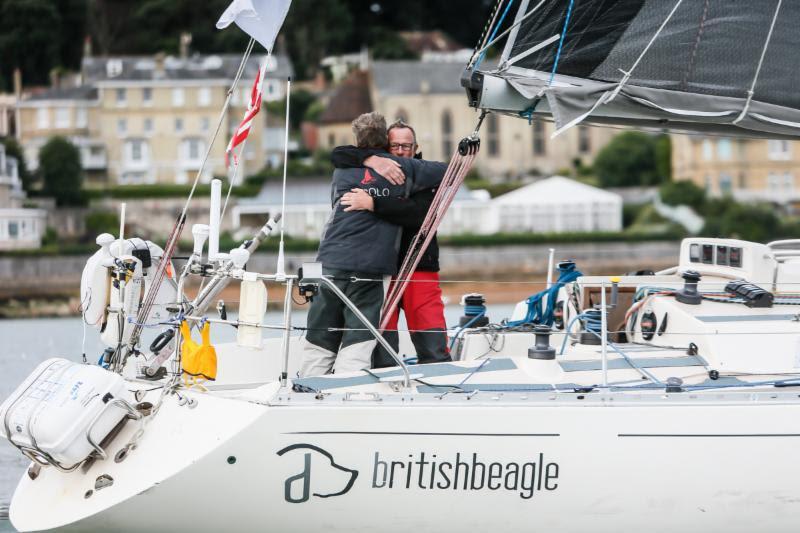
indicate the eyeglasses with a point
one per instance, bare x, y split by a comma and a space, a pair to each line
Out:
401, 146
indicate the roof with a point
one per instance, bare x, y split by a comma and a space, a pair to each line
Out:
84, 92
413, 77
557, 189
195, 67
349, 100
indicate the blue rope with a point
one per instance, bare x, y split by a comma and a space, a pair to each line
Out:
561, 42
465, 326
535, 314
499, 23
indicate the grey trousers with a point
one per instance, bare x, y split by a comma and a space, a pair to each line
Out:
336, 339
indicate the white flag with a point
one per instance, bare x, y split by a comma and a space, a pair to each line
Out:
260, 19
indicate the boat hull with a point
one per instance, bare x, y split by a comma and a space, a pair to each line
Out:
510, 464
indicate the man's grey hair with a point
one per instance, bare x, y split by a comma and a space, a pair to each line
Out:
401, 124
370, 131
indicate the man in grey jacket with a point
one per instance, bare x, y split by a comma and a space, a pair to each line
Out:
359, 252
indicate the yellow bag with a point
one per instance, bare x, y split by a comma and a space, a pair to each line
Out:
198, 361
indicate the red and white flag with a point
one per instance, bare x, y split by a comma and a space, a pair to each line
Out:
253, 106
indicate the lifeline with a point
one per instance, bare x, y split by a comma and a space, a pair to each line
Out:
467, 474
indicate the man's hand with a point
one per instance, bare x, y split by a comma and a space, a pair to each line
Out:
388, 168
359, 199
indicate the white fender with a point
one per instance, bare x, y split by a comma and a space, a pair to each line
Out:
95, 283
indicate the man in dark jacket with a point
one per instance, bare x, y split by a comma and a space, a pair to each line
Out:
422, 300
358, 250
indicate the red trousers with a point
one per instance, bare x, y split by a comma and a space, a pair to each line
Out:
424, 312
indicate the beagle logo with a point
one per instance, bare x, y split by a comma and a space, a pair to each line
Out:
330, 479
368, 178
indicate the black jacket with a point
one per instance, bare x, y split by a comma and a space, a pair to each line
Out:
359, 241
407, 212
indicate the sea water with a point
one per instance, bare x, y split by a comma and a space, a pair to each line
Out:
28, 342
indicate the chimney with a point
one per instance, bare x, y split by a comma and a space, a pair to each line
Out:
186, 40
87, 47
18, 83
159, 71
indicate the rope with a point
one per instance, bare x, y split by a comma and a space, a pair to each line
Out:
500, 23
561, 42
750, 92
485, 33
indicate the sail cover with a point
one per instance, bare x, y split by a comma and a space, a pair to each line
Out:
715, 66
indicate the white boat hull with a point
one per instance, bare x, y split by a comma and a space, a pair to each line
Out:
655, 463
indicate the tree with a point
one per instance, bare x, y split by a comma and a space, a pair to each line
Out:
29, 39
683, 192
664, 157
628, 160
61, 171
13, 149
753, 222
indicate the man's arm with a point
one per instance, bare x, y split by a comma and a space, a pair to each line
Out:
427, 174
355, 157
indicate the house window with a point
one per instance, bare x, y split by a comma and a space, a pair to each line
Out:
584, 140
148, 125
13, 229
122, 97
122, 126
136, 152
447, 134
492, 137
539, 146
725, 183
204, 97
178, 124
192, 149
724, 149
788, 181
62, 117
708, 151
742, 180
204, 122
779, 149
177, 97
81, 119
147, 96
42, 118
773, 182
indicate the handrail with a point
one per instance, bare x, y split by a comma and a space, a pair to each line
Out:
784, 242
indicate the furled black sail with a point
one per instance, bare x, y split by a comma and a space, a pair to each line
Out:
717, 66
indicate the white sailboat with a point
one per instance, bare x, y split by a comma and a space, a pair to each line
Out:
640, 402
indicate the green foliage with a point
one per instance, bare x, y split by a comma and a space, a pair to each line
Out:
751, 222
299, 103
664, 157
683, 192
29, 39
102, 222
628, 160
387, 44
61, 171
13, 149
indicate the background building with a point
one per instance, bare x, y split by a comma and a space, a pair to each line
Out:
747, 169
427, 94
20, 227
147, 119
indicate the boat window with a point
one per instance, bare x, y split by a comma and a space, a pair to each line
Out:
708, 254
735, 258
722, 255
694, 253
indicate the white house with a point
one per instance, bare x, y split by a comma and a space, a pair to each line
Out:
556, 205
20, 227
